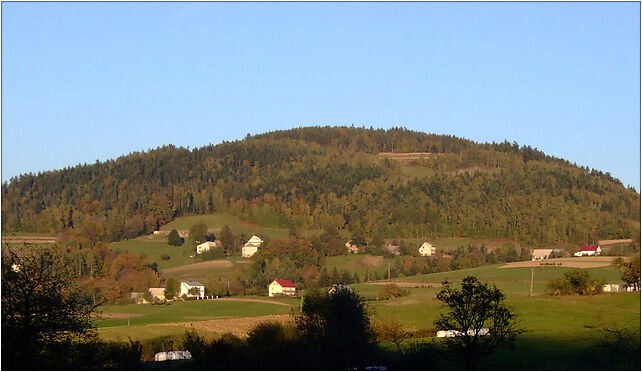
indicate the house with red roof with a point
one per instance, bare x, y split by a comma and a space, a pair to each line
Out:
589, 250
281, 287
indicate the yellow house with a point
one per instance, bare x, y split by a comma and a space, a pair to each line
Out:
281, 287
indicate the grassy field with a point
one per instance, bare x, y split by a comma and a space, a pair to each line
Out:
186, 311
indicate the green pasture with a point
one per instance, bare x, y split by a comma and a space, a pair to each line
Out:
154, 247
186, 311
215, 272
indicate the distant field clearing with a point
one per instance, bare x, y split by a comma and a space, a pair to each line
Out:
29, 239
216, 264
579, 262
615, 241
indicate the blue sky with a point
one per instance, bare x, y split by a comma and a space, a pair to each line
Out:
87, 81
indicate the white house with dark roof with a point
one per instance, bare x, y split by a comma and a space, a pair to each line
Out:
187, 286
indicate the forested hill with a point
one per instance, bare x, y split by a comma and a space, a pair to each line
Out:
387, 183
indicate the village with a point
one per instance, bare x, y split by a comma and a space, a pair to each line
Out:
283, 287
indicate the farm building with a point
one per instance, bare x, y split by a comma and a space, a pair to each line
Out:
455, 333
618, 288
251, 247
172, 355
187, 286
541, 254
589, 250
427, 249
205, 247
352, 248
138, 298
281, 287
157, 293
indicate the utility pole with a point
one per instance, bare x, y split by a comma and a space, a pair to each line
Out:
388, 272
532, 271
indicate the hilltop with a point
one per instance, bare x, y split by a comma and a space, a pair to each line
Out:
391, 183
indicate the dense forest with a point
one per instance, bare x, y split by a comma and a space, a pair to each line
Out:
333, 178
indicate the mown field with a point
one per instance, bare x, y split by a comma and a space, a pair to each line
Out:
186, 311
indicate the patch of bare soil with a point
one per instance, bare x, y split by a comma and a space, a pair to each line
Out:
120, 315
237, 326
578, 262
370, 261
200, 265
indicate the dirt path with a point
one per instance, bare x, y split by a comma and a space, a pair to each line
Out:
237, 326
578, 262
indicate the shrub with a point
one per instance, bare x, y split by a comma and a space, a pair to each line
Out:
391, 291
574, 282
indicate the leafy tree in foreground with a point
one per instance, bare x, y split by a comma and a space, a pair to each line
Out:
42, 311
338, 325
473, 307
630, 269
174, 239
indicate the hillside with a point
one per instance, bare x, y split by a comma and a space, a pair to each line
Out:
385, 183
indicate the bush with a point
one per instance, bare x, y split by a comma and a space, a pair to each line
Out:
391, 291
164, 257
174, 239
574, 282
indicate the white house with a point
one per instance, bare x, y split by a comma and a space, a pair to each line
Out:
251, 247
281, 287
455, 333
186, 286
427, 249
157, 293
541, 254
205, 247
589, 250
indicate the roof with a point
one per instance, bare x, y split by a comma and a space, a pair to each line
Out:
194, 284
285, 283
590, 248
542, 251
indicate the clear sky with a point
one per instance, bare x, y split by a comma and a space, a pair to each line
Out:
87, 81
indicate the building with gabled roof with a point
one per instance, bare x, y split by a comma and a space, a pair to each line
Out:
281, 287
427, 249
251, 247
589, 250
187, 286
